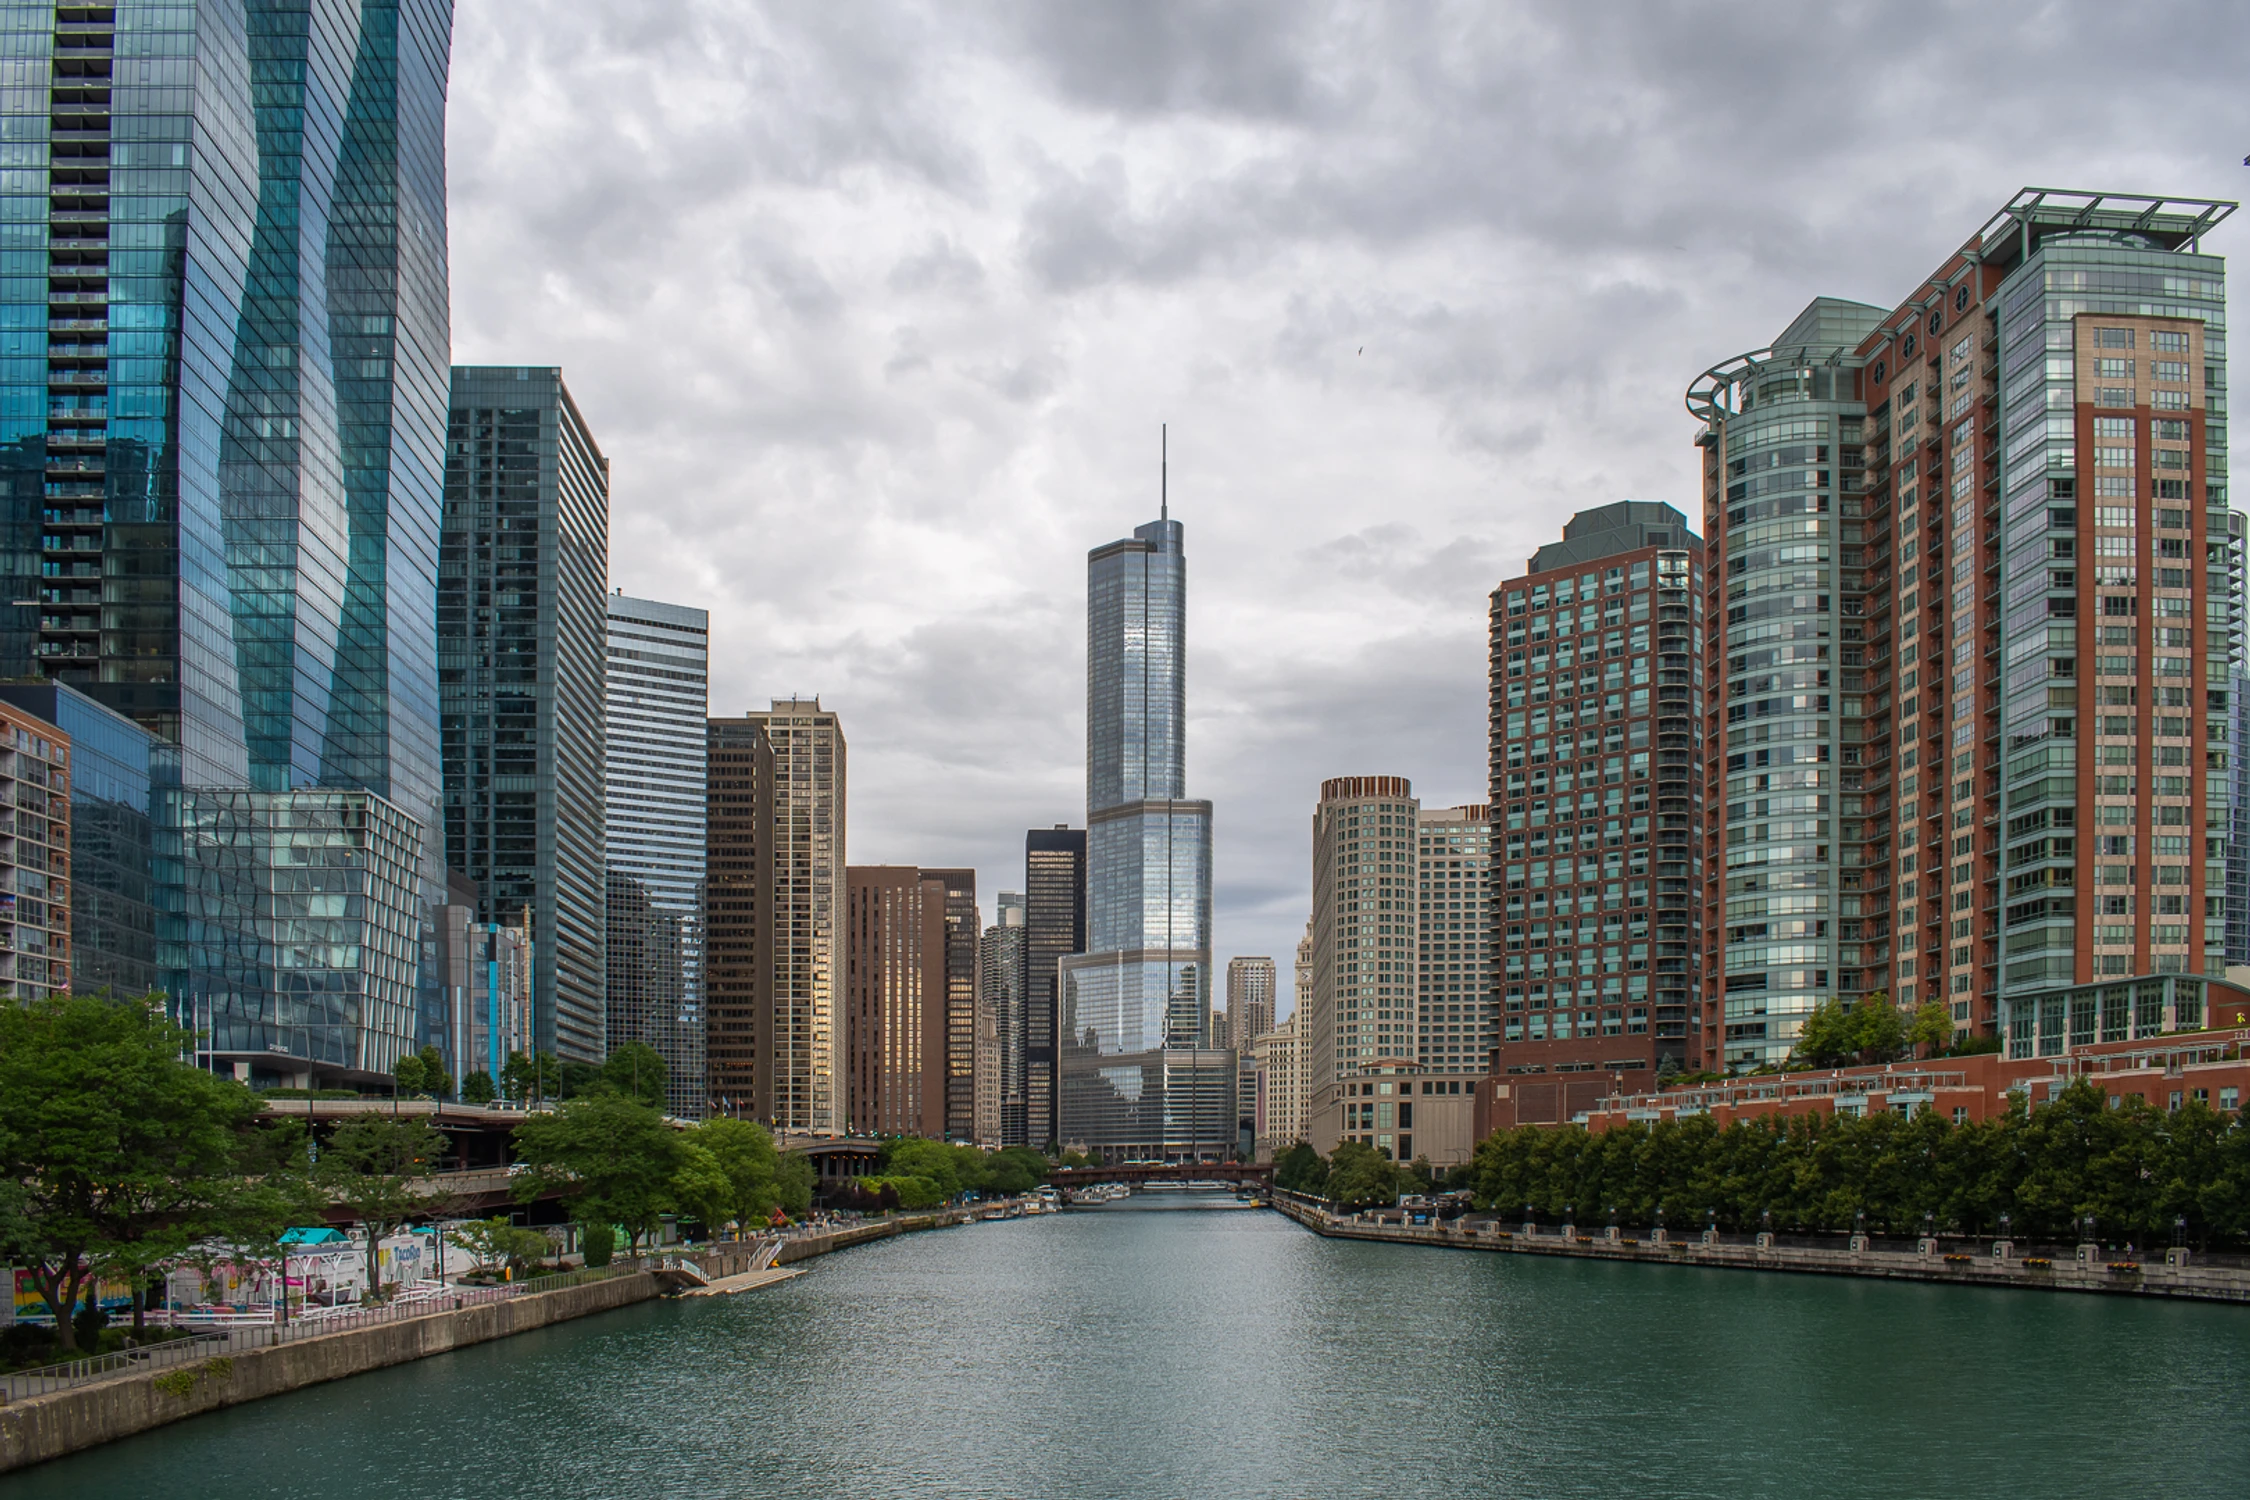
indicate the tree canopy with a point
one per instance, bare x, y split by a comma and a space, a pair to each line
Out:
610, 1156
114, 1153
2131, 1165
375, 1165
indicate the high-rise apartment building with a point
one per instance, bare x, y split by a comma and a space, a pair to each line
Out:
1455, 1003
2001, 504
1365, 958
1137, 1076
1597, 786
1251, 985
222, 430
111, 872
35, 856
1054, 861
1000, 1024
896, 950
522, 628
738, 919
657, 699
805, 873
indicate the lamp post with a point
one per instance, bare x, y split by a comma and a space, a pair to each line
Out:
2179, 1229
2089, 1228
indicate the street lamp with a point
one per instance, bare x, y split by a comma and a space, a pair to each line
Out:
2089, 1235
2179, 1229
2004, 1222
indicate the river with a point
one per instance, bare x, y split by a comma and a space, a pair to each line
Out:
1185, 1347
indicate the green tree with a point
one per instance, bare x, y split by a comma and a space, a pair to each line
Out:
1015, 1171
612, 1158
1878, 1028
533, 1079
477, 1088
1826, 1038
701, 1188
1363, 1177
409, 1074
378, 1166
758, 1177
636, 1071
435, 1080
1300, 1169
113, 1152
933, 1162
1932, 1030
494, 1242
273, 1192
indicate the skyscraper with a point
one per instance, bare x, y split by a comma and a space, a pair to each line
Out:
1251, 983
1364, 957
1137, 1075
2003, 501
1454, 997
894, 1014
960, 1001
1597, 792
655, 805
738, 912
222, 457
1000, 1021
522, 626
804, 871
1054, 862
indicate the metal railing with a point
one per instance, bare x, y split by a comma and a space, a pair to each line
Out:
208, 1340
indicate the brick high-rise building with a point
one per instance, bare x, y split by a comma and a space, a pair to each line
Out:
1969, 583
1597, 783
896, 951
738, 909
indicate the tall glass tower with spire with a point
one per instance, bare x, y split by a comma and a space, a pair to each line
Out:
1137, 1077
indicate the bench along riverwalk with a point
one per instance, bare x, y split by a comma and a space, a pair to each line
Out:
66, 1408
2084, 1268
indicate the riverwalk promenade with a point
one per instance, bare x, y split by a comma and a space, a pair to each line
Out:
49, 1413
2086, 1268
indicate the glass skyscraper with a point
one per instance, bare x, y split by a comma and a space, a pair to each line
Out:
1138, 1078
223, 334
524, 626
658, 704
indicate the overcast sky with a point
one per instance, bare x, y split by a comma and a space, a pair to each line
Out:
876, 310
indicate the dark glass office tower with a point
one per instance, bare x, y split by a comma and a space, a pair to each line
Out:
522, 623
223, 332
1054, 867
1136, 1005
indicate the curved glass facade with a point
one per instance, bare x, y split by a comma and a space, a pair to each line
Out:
1785, 454
223, 345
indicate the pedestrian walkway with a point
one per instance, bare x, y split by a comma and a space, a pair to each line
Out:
744, 1281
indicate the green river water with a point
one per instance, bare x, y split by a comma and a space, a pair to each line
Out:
1181, 1346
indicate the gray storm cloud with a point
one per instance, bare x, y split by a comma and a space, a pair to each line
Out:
876, 309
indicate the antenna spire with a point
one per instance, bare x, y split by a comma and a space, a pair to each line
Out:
1163, 471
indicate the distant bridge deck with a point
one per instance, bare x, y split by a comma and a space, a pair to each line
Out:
1235, 1172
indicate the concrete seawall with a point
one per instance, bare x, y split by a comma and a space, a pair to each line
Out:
38, 1428
2188, 1282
